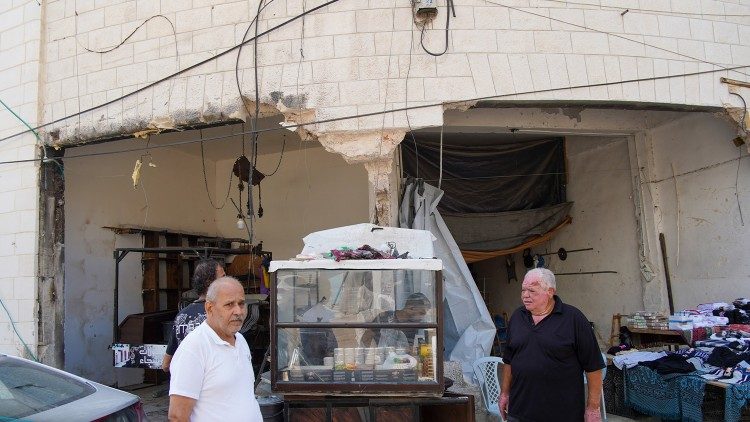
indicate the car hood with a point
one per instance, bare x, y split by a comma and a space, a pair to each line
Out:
103, 402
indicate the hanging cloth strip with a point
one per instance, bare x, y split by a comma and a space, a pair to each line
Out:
673, 398
475, 256
737, 396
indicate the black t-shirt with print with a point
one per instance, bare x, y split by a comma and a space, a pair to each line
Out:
186, 321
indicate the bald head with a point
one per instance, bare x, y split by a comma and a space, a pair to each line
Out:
219, 285
225, 307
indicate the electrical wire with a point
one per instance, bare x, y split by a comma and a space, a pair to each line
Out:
662, 12
25, 123
205, 181
739, 159
333, 1
300, 16
38, 138
170, 76
239, 53
13, 324
614, 35
107, 50
736, 188
395, 110
254, 141
281, 157
450, 8
406, 97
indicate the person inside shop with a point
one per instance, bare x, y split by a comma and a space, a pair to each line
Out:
550, 344
191, 316
415, 308
212, 372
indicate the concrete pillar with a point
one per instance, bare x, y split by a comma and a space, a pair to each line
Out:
646, 201
374, 149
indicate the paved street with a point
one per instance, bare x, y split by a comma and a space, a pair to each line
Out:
156, 404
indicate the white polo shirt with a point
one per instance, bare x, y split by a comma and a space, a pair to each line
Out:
216, 374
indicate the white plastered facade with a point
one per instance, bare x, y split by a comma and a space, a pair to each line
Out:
354, 57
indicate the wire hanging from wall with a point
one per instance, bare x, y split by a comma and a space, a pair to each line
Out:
739, 142
450, 9
205, 179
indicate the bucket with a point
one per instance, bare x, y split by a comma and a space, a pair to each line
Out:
272, 408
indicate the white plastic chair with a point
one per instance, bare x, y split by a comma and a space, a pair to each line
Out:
602, 407
485, 369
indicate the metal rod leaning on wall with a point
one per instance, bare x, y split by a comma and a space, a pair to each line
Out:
667, 277
588, 272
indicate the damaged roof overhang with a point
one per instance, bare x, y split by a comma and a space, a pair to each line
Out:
603, 105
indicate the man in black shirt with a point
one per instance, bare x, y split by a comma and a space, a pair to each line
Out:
191, 316
550, 346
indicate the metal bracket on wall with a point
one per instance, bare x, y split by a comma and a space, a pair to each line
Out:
562, 253
588, 272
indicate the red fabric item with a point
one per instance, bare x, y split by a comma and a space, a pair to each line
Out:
740, 327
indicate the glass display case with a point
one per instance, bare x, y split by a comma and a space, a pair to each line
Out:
365, 327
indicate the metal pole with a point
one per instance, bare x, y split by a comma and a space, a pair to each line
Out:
667, 277
119, 256
115, 337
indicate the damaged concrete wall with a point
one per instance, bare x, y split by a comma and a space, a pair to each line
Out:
312, 190
355, 57
99, 192
699, 183
599, 185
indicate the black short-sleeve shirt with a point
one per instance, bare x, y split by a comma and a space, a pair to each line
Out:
186, 321
547, 363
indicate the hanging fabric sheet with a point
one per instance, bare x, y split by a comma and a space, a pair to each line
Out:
489, 176
469, 329
505, 230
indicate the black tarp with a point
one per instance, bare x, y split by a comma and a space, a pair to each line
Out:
491, 177
497, 193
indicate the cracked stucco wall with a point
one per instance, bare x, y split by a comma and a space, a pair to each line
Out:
354, 56
357, 57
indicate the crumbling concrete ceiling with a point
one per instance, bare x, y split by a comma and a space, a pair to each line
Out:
548, 118
222, 142
103, 124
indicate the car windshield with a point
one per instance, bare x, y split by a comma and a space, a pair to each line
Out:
27, 388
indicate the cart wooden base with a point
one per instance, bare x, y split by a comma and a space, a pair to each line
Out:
450, 407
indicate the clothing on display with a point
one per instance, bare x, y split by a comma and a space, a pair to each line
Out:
670, 364
630, 360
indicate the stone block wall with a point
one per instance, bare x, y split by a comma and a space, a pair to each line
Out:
355, 56
20, 32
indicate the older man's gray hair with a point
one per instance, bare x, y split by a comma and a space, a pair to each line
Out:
543, 276
213, 288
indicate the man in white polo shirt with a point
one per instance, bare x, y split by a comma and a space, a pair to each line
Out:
212, 373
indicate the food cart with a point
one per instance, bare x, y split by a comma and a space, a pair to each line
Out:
360, 336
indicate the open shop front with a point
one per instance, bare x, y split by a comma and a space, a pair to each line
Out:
178, 201
515, 201
641, 227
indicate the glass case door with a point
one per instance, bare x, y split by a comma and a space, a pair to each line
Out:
357, 330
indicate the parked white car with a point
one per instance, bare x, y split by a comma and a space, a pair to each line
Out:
31, 391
